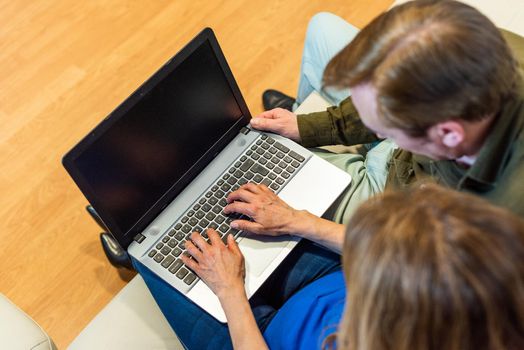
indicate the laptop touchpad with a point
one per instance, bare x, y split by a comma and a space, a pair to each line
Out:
260, 251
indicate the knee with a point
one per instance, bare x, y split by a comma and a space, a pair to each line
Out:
319, 23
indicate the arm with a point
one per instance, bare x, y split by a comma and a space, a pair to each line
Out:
272, 216
222, 268
336, 125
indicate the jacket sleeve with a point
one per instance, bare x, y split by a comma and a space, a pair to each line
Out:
336, 125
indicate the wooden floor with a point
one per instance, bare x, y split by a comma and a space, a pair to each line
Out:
64, 65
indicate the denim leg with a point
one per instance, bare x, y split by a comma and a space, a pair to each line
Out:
305, 264
326, 35
195, 328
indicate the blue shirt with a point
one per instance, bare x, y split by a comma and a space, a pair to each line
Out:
309, 316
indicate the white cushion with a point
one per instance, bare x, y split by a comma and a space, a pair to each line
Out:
19, 331
132, 320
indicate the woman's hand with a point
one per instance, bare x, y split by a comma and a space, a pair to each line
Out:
221, 267
271, 215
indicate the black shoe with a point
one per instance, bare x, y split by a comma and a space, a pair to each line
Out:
116, 255
95, 217
275, 99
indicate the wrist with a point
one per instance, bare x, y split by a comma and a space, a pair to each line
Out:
303, 224
232, 292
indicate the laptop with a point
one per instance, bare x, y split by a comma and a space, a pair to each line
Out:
160, 166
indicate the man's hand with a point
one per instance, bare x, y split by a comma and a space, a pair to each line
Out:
271, 215
221, 267
279, 121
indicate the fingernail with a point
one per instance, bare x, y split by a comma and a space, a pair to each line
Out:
234, 225
254, 121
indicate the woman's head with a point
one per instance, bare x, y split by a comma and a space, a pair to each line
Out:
433, 269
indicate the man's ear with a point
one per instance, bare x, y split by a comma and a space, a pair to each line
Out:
450, 133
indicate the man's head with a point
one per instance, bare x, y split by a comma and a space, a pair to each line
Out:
426, 74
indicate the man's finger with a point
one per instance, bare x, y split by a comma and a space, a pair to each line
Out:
263, 124
246, 225
268, 114
242, 194
239, 207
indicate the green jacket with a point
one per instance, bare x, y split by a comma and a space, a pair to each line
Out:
497, 174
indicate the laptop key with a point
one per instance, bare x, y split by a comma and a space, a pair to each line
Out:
152, 253
165, 239
266, 182
223, 228
193, 221
283, 164
238, 174
167, 261
285, 175
231, 170
209, 194
274, 186
172, 243
243, 158
178, 226
196, 207
257, 168
257, 178
214, 188
242, 181
198, 229
190, 278
175, 266
281, 147
179, 236
270, 140
263, 161
247, 164
217, 209
290, 169
210, 216
213, 225
255, 156
272, 176
280, 181
270, 165
158, 258
223, 202
297, 156
288, 159
159, 245
272, 150
203, 223
166, 250
182, 273
213, 200
202, 201
176, 252
206, 207
172, 232
225, 187
219, 219
277, 170
238, 164
186, 228
220, 194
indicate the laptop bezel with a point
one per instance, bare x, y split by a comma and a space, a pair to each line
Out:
68, 161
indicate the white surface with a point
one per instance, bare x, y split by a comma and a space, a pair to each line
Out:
506, 14
131, 321
19, 331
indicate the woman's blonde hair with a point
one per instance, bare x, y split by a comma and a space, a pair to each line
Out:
431, 268
429, 61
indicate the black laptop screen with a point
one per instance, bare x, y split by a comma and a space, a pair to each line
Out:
140, 157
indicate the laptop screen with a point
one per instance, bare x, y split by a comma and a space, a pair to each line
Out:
160, 139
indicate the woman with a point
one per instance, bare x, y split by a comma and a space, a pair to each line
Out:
426, 269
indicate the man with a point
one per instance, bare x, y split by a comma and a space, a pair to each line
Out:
435, 77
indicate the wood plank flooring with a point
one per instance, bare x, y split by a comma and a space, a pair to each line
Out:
64, 65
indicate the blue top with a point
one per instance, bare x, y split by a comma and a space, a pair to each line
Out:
309, 316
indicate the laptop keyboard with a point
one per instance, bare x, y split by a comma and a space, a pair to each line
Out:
266, 162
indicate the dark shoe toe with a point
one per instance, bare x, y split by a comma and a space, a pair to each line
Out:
116, 255
276, 99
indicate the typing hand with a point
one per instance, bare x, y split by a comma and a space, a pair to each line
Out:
271, 215
221, 267
279, 121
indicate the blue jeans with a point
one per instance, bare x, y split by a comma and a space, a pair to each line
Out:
326, 35
196, 329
